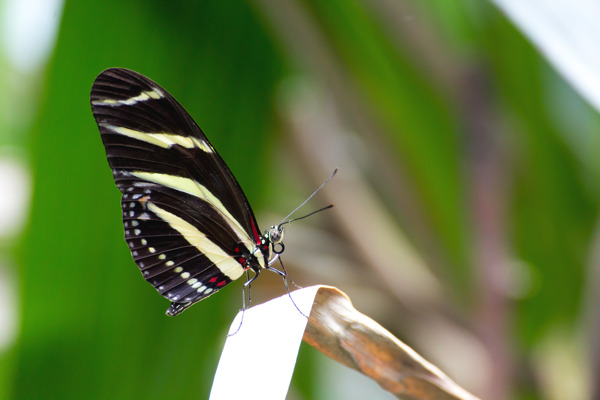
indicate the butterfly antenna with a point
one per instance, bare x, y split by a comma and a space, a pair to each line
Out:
307, 215
283, 221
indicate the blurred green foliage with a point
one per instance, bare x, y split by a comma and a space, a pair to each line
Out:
91, 328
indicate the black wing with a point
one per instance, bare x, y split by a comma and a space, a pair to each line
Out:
186, 218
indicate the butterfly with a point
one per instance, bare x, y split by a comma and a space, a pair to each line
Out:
188, 224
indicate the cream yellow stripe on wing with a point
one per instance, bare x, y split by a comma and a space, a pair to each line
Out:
164, 140
227, 264
144, 96
192, 187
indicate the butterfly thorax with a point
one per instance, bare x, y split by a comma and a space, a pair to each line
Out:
265, 252
260, 257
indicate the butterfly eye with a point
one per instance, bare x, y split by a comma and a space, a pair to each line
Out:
276, 234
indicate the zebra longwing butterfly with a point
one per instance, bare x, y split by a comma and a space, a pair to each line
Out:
187, 221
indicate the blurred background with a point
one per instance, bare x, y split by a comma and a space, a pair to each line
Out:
466, 135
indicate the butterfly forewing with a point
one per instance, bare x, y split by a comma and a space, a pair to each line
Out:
187, 222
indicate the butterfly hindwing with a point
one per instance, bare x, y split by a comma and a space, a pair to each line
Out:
166, 257
187, 222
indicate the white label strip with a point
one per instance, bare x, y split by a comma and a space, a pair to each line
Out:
258, 361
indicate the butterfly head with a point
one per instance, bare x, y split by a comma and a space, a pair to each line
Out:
275, 234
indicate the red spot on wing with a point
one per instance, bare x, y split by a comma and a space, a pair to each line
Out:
213, 280
222, 283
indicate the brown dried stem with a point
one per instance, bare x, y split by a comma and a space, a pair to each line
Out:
339, 331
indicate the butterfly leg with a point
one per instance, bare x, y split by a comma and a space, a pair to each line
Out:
250, 280
246, 284
284, 275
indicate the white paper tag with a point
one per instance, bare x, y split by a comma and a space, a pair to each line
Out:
258, 361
